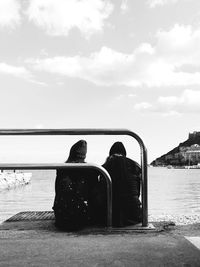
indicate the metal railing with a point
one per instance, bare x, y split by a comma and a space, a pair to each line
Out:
50, 166
143, 153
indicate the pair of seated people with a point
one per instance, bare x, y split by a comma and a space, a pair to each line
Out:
80, 194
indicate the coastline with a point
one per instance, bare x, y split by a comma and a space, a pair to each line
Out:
172, 219
177, 219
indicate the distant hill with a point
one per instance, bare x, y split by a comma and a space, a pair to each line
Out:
186, 153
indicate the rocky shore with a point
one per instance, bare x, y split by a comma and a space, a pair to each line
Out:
176, 219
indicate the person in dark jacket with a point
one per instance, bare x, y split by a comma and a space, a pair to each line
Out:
72, 192
125, 174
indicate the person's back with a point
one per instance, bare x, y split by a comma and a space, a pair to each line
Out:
125, 174
72, 192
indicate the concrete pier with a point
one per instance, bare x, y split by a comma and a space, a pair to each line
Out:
39, 243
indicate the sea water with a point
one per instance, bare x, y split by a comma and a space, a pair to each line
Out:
174, 191
170, 191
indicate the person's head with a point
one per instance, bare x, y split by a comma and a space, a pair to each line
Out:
78, 152
117, 148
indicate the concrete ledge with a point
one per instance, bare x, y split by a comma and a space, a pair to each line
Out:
44, 220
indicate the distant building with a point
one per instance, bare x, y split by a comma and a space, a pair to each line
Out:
185, 156
191, 154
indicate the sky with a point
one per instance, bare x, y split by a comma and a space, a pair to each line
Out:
98, 64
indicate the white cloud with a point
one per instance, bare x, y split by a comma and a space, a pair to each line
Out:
105, 67
175, 49
18, 71
58, 17
154, 3
143, 106
174, 60
190, 98
180, 43
145, 48
187, 102
9, 13
123, 100
124, 6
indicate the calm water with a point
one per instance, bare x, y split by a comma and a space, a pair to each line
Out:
171, 191
174, 191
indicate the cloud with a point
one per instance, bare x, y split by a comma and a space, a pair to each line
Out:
59, 17
179, 43
174, 60
124, 6
187, 102
143, 106
9, 13
154, 3
175, 49
105, 67
18, 71
123, 100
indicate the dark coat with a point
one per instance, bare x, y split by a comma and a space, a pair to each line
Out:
72, 199
125, 174
72, 192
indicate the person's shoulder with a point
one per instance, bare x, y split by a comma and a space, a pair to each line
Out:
108, 160
134, 164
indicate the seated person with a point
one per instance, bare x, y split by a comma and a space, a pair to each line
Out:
71, 204
125, 174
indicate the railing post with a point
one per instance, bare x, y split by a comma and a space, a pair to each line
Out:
143, 153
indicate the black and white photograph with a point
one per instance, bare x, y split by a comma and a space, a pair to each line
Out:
99, 133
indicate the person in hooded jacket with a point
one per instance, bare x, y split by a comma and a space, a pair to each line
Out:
125, 174
72, 192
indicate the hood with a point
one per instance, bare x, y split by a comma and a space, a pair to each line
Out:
117, 148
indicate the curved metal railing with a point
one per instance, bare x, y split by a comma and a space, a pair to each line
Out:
51, 166
143, 151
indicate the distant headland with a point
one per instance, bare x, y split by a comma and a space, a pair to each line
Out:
185, 154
